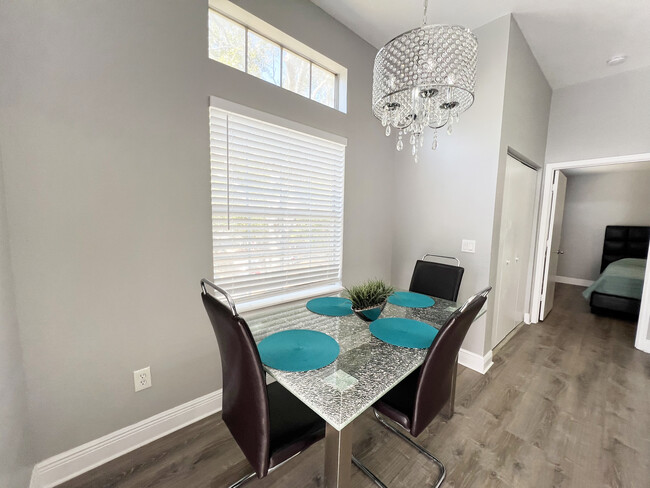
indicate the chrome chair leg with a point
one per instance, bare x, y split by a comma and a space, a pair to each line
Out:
417, 446
368, 473
243, 481
249, 477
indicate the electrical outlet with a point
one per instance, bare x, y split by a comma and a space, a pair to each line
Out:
142, 379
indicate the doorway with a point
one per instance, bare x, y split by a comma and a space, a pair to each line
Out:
544, 274
515, 243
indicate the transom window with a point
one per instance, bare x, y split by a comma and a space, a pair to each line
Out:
277, 206
237, 45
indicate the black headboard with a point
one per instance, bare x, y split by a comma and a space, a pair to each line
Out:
624, 241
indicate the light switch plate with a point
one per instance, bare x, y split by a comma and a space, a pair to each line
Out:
468, 246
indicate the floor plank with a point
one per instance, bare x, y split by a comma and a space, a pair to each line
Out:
566, 404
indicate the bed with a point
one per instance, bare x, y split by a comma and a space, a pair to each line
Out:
620, 284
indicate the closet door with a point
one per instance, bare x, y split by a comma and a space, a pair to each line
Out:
527, 184
515, 240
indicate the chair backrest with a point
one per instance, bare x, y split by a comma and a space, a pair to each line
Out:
245, 399
436, 279
436, 375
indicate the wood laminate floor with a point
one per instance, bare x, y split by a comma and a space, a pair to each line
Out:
566, 404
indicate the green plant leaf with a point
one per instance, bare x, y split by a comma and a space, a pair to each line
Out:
369, 294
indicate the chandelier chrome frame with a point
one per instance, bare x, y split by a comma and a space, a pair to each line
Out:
424, 77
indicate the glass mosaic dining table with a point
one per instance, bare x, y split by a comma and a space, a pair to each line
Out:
364, 371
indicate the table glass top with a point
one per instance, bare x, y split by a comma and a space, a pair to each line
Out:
366, 368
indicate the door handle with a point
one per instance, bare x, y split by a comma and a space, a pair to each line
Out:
559, 252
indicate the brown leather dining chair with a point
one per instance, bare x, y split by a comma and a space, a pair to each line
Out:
421, 396
437, 279
269, 424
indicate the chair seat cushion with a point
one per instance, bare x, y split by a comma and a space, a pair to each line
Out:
294, 426
399, 403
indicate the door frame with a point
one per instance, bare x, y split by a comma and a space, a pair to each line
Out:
642, 342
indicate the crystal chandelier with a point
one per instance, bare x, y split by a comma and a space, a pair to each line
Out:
424, 78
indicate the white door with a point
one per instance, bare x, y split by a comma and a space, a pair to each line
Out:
553, 243
515, 241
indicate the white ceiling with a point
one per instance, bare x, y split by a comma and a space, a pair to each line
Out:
571, 39
613, 168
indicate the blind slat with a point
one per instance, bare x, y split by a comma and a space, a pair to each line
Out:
277, 207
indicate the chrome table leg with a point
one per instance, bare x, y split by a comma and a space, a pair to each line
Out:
338, 457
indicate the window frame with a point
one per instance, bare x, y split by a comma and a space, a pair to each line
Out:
264, 30
318, 289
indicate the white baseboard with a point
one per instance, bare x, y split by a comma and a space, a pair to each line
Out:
475, 361
72, 463
573, 281
527, 318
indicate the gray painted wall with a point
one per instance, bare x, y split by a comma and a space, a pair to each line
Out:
449, 195
601, 118
103, 122
15, 459
593, 202
464, 177
526, 109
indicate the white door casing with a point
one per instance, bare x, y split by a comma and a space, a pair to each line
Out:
553, 241
516, 233
642, 340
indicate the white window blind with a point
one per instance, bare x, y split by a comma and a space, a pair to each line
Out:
277, 207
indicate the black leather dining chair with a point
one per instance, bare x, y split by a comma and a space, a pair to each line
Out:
421, 396
437, 279
269, 424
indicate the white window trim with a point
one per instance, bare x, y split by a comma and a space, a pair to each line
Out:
299, 294
265, 29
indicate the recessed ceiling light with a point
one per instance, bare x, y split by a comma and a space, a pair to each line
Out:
615, 60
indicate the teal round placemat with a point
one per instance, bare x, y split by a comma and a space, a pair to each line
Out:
410, 299
404, 332
298, 350
332, 306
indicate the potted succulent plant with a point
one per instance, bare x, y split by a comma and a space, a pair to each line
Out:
369, 299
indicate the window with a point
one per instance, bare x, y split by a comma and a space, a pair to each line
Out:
227, 41
295, 73
264, 58
323, 84
237, 45
277, 205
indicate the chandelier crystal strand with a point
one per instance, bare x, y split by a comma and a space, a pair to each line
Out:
424, 78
